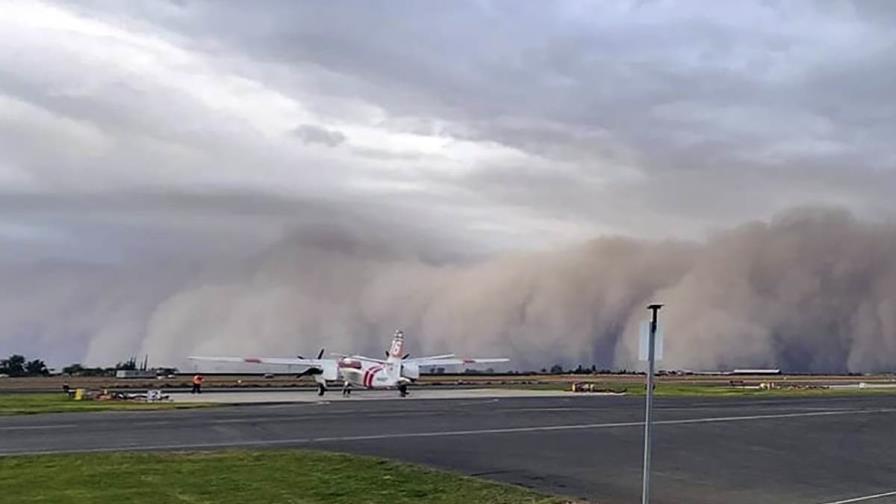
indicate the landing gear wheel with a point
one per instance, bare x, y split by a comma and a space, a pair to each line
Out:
321, 389
403, 390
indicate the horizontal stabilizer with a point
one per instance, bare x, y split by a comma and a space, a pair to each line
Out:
455, 361
276, 361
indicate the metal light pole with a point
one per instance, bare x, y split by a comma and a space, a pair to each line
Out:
648, 421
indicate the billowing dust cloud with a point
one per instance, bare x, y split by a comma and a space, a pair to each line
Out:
811, 290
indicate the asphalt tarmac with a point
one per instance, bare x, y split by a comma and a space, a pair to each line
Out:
335, 395
726, 450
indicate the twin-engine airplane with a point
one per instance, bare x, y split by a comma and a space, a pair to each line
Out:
397, 371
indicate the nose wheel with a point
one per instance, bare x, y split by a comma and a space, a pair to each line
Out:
321, 389
403, 390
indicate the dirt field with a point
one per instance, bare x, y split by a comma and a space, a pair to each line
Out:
54, 383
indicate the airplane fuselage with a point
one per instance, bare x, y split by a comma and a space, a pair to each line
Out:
367, 374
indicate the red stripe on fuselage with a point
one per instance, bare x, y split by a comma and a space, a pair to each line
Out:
364, 378
368, 377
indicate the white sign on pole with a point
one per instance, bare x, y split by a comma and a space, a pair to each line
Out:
643, 344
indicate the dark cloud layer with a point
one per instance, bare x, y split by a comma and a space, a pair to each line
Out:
690, 108
314, 134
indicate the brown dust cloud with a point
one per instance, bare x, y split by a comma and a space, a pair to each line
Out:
810, 290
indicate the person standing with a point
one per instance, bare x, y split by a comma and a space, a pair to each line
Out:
197, 384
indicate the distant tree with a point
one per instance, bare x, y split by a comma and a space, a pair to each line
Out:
556, 369
130, 364
544, 370
13, 366
98, 371
73, 370
36, 367
80, 370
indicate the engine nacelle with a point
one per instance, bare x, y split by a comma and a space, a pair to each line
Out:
411, 371
330, 370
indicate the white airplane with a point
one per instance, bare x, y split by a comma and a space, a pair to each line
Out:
397, 371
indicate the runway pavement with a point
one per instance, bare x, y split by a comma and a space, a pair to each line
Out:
335, 395
800, 451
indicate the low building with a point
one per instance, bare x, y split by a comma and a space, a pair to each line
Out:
756, 372
134, 373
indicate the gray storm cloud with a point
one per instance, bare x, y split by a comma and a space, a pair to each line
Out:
811, 290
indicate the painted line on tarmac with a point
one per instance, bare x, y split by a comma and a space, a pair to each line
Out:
39, 427
864, 498
548, 409
286, 419
610, 425
472, 432
476, 402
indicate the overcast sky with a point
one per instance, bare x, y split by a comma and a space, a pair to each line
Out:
141, 133
510, 123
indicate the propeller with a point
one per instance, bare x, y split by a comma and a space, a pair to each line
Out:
319, 354
310, 371
405, 356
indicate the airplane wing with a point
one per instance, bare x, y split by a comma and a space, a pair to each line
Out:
432, 357
441, 360
358, 357
277, 361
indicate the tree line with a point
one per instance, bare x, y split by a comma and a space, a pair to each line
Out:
17, 365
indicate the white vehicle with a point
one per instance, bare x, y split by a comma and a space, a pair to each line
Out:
397, 371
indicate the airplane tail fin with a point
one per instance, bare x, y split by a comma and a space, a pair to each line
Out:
397, 348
